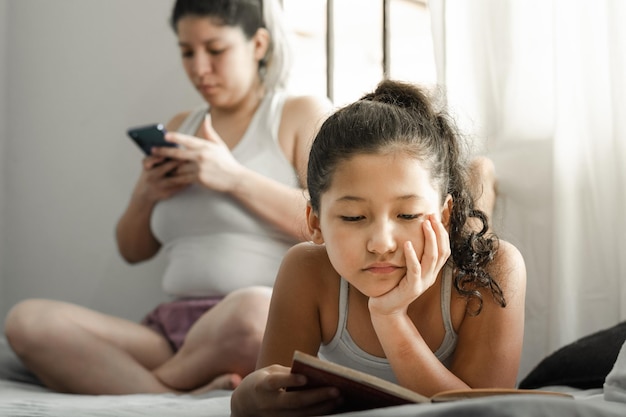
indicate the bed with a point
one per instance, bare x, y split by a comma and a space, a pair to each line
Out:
21, 395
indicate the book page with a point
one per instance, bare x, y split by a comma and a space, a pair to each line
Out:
455, 395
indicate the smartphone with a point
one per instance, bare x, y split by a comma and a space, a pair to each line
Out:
147, 137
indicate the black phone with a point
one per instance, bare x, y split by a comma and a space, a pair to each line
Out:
147, 137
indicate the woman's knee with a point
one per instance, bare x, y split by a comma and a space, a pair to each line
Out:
246, 309
234, 328
257, 297
30, 323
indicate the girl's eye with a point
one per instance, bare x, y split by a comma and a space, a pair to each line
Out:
187, 54
352, 218
215, 52
409, 216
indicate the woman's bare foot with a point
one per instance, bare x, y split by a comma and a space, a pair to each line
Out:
224, 382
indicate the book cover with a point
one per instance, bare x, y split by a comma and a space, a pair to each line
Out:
361, 391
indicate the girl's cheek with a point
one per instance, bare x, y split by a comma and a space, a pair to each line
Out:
418, 242
419, 250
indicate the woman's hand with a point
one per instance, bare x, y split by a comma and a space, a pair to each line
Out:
209, 161
420, 275
263, 393
158, 180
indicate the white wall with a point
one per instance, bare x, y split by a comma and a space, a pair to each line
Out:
74, 75
3, 134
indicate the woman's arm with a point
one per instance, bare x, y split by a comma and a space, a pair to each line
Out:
272, 201
213, 165
284, 206
135, 240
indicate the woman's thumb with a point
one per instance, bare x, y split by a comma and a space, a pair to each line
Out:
207, 129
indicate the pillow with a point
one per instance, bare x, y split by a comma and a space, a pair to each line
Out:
583, 364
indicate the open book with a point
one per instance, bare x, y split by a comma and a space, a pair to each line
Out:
361, 391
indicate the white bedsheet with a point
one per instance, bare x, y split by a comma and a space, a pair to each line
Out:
26, 399
22, 399
615, 383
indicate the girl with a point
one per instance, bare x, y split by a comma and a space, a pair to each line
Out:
225, 207
395, 282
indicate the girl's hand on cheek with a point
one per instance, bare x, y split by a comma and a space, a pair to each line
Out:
419, 276
436, 246
408, 289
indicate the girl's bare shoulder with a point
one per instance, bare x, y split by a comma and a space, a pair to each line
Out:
312, 284
309, 256
308, 263
508, 267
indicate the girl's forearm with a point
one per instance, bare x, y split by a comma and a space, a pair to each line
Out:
416, 367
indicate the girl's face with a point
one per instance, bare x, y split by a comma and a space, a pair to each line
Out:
220, 62
374, 204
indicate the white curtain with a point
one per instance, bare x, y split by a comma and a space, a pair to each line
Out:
541, 86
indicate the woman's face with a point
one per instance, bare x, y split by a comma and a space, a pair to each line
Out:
375, 203
220, 62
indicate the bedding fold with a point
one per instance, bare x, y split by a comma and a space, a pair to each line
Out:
615, 383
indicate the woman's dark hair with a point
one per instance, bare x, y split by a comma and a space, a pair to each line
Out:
250, 16
246, 14
400, 116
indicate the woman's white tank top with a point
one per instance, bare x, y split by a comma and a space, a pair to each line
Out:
213, 244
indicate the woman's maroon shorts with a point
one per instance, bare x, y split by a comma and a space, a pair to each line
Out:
173, 319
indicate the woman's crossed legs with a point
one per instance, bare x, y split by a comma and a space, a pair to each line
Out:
74, 349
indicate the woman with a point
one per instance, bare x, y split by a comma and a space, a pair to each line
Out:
225, 206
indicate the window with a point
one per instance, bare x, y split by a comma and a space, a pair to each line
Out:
345, 47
